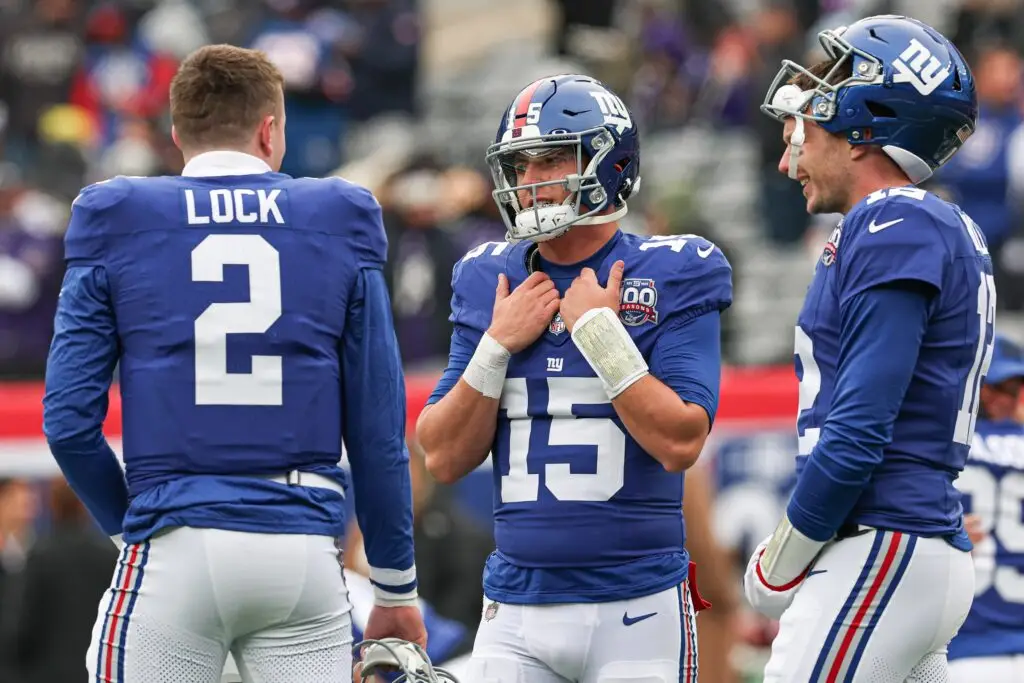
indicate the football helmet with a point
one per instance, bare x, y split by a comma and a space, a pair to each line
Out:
909, 91
565, 115
388, 656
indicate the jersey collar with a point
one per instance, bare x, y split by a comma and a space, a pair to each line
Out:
224, 162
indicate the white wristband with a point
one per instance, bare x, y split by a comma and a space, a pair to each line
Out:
486, 370
609, 350
383, 598
787, 554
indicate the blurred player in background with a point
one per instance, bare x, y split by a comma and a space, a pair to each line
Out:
249, 316
990, 645
870, 567
588, 361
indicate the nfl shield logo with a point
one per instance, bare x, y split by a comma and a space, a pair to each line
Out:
491, 611
557, 325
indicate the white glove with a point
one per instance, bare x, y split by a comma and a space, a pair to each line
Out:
768, 600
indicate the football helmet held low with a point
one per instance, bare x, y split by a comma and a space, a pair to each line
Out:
394, 655
909, 90
570, 115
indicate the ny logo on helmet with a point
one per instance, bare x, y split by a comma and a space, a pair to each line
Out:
615, 112
918, 67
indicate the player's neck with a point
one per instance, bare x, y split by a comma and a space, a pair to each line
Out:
865, 184
578, 244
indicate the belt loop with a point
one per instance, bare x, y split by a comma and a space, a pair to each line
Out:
294, 478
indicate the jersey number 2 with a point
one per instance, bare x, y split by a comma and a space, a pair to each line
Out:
215, 386
601, 433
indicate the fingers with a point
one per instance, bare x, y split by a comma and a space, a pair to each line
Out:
588, 274
536, 279
551, 307
547, 297
502, 291
615, 276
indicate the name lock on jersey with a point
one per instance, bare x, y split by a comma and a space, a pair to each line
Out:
238, 205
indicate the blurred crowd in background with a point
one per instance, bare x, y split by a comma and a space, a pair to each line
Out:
404, 96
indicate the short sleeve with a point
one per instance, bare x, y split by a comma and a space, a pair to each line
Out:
900, 241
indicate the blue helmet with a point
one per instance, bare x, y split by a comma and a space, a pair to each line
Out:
908, 89
567, 114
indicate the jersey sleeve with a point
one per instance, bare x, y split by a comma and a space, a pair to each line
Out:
880, 336
691, 276
688, 358
374, 429
894, 240
85, 242
363, 223
79, 371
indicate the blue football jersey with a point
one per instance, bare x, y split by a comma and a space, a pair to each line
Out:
993, 488
897, 235
230, 295
582, 513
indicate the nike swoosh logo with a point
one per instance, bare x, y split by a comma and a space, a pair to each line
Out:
629, 621
878, 227
816, 571
704, 253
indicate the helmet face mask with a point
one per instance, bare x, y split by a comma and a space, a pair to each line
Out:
540, 220
582, 117
867, 70
394, 655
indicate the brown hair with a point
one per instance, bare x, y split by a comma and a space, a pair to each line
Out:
221, 94
820, 70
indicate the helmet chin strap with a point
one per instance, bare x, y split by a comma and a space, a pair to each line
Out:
791, 99
796, 141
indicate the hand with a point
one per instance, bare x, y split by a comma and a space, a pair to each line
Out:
765, 599
586, 293
521, 317
393, 622
972, 524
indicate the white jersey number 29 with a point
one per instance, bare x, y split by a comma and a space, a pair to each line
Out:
997, 502
520, 486
214, 384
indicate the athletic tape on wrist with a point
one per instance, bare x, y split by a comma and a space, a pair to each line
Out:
788, 554
486, 370
609, 350
383, 598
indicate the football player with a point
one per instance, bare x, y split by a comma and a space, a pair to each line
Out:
249, 317
587, 361
990, 645
869, 567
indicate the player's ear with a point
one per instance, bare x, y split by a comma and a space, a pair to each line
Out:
858, 152
266, 134
174, 137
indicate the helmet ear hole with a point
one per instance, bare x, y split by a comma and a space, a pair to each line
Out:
879, 110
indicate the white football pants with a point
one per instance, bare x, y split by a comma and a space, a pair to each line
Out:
179, 602
878, 607
652, 639
1002, 669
